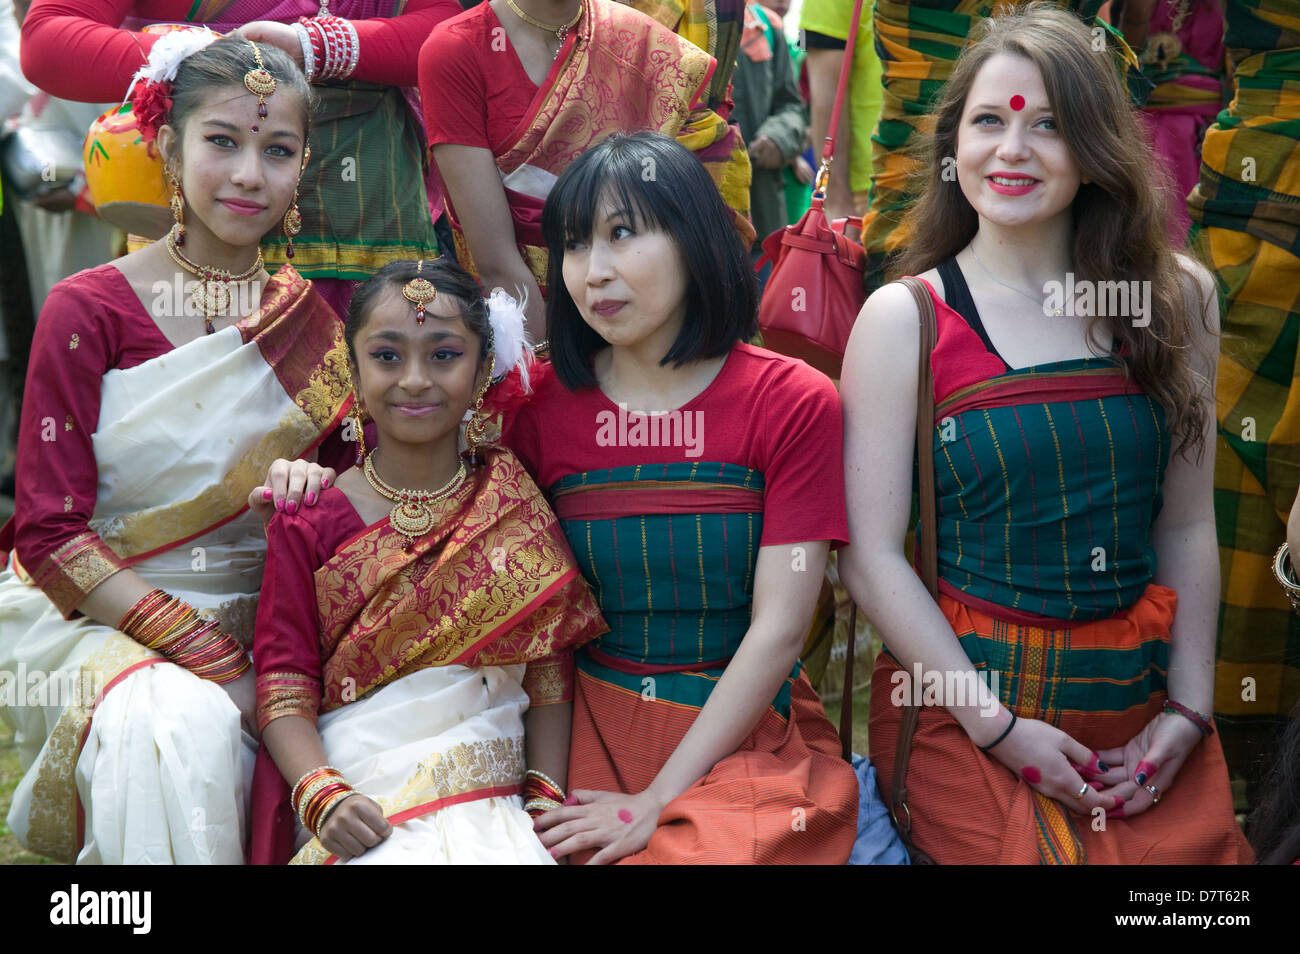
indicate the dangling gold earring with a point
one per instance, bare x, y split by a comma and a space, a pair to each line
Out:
178, 205
357, 418
293, 218
476, 429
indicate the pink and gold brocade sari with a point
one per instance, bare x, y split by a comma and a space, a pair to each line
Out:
618, 71
452, 639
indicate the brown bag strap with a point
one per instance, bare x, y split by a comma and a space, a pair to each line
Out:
846, 701
927, 543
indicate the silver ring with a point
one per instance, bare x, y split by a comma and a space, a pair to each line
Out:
1155, 793
1082, 792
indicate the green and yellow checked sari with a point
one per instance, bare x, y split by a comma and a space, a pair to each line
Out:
1246, 225
918, 44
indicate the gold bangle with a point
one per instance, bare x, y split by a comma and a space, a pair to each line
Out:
1285, 574
541, 805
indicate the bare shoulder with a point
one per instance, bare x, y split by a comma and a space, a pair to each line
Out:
1199, 286
890, 310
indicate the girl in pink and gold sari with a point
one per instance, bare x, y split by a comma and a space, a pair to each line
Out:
403, 634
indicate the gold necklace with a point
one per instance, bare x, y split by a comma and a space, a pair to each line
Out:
413, 514
212, 295
560, 31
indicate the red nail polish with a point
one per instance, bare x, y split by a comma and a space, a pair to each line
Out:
311, 498
571, 800
324, 483
1096, 786
267, 494
1119, 802
279, 503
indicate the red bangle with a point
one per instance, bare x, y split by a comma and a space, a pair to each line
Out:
1201, 722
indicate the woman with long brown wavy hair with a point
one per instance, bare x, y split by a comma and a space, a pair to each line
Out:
1073, 454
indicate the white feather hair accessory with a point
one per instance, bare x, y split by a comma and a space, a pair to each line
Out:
166, 55
510, 345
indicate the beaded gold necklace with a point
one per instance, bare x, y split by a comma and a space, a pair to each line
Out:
413, 514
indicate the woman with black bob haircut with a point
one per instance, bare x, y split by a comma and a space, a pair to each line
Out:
661, 187
695, 478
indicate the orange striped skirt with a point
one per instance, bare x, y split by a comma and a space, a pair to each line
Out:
968, 808
783, 797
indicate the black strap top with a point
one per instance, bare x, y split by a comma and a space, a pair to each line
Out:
958, 297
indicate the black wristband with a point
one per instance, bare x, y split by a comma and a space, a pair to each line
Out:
1005, 732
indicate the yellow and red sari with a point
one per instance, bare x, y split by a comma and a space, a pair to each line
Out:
416, 665
618, 71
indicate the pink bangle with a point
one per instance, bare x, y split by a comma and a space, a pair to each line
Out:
1201, 722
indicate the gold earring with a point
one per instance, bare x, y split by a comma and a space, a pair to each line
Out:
293, 218
476, 430
177, 203
356, 417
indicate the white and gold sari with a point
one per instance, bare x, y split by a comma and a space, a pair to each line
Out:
129, 758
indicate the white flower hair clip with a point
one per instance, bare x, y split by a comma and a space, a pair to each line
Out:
510, 345
166, 55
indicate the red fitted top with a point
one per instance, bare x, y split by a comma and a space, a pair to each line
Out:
91, 323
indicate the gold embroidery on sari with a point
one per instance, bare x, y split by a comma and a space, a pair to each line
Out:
495, 585
52, 821
467, 767
548, 682
68, 574
301, 346
156, 528
286, 694
327, 388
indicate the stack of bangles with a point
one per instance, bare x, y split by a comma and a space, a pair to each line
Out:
1198, 719
541, 793
330, 48
174, 628
317, 794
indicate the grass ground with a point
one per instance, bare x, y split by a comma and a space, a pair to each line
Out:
11, 852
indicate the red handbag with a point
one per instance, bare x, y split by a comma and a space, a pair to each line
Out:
816, 288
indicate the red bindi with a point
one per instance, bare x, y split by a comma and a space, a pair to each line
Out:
1031, 774
1017, 102
625, 816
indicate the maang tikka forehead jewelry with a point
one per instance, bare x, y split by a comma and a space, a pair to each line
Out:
259, 81
419, 292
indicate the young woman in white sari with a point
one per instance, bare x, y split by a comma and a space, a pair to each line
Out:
153, 402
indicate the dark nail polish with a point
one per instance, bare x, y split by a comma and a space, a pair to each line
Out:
1141, 778
1102, 766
